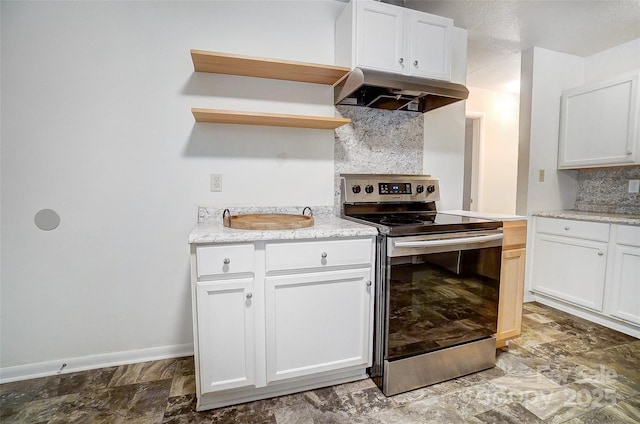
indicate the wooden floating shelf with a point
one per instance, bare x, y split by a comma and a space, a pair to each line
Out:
223, 63
270, 119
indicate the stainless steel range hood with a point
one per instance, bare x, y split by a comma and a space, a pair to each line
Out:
383, 90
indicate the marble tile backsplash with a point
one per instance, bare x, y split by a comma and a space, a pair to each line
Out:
606, 190
377, 141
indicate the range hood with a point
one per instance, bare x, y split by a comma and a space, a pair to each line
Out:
384, 90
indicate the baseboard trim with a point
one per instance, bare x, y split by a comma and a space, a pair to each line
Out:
83, 363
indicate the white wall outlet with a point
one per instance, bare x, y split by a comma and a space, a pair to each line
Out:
634, 186
216, 182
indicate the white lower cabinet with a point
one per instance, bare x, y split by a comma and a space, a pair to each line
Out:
570, 269
317, 322
590, 269
624, 294
272, 318
225, 334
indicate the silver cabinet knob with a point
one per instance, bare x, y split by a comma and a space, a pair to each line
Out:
629, 152
226, 261
249, 295
600, 253
566, 228
401, 60
415, 63
368, 283
324, 255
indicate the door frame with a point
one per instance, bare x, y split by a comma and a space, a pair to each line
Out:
475, 174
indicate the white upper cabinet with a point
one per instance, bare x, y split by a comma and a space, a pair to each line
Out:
599, 124
429, 45
389, 38
380, 37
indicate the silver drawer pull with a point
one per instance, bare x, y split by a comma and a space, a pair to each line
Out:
415, 63
226, 261
600, 253
249, 295
324, 255
566, 228
401, 61
368, 283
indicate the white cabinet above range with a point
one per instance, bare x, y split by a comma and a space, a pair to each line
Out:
389, 38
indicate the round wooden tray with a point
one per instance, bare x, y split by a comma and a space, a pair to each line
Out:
267, 221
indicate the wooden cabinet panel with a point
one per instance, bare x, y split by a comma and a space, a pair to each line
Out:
511, 296
511, 281
514, 234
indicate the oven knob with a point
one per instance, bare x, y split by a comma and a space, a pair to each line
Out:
368, 188
431, 188
420, 189
355, 189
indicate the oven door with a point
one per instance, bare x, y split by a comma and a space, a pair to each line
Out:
441, 291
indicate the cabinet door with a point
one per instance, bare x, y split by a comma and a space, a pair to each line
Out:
225, 334
317, 322
625, 284
599, 124
511, 296
380, 37
570, 269
429, 41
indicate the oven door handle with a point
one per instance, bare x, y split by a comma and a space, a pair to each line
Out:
448, 242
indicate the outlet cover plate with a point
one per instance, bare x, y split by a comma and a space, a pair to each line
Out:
216, 182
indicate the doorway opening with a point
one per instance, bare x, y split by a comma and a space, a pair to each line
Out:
471, 193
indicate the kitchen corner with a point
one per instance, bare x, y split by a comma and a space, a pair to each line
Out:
587, 263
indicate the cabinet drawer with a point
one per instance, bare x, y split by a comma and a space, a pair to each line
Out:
317, 254
570, 228
224, 259
514, 234
628, 234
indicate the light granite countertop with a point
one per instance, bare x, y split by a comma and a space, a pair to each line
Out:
610, 218
210, 228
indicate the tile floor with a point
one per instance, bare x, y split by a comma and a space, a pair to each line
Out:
562, 369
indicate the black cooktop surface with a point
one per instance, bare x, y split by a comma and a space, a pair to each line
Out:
412, 223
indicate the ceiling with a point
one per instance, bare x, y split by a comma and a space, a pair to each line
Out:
498, 30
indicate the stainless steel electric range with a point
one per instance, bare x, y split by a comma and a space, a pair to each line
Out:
437, 281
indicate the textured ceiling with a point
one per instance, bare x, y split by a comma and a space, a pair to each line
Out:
498, 30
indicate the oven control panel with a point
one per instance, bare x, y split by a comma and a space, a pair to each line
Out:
380, 188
